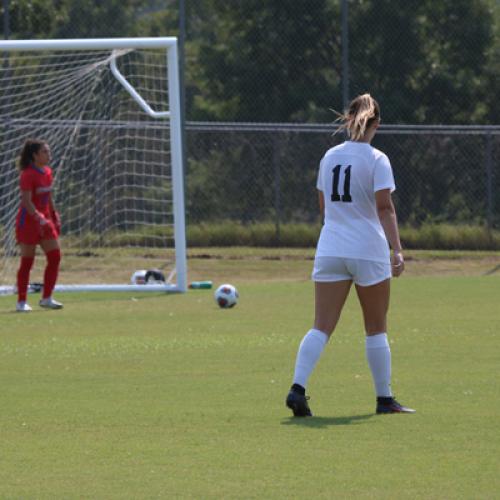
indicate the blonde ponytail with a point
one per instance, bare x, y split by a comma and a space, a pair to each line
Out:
362, 112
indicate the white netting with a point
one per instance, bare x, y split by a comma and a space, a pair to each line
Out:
111, 162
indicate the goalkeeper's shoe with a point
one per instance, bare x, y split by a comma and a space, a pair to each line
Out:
298, 404
390, 405
23, 307
50, 303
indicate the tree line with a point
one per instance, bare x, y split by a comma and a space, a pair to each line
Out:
427, 61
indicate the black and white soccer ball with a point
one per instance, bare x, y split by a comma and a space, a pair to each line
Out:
226, 296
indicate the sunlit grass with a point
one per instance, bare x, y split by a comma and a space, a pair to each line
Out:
119, 396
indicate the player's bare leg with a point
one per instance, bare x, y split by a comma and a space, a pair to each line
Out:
329, 300
53, 254
374, 302
23, 276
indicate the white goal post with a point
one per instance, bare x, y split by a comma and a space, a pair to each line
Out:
110, 111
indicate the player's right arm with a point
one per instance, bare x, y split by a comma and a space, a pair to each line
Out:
27, 185
321, 196
27, 203
30, 207
321, 200
388, 219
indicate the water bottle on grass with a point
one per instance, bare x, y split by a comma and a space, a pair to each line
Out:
198, 285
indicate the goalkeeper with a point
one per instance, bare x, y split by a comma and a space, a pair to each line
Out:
37, 223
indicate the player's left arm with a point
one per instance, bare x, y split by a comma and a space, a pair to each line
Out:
54, 214
52, 207
389, 221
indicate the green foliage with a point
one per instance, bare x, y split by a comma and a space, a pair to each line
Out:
426, 62
90, 18
455, 37
262, 61
427, 236
258, 235
33, 18
156, 20
292, 235
94, 18
385, 53
450, 237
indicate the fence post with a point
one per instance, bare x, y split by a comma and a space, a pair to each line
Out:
182, 86
6, 20
489, 182
277, 186
345, 55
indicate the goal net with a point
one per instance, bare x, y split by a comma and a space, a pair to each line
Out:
110, 112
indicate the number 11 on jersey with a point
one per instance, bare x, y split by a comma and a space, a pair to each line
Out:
346, 197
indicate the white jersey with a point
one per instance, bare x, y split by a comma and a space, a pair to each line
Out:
349, 175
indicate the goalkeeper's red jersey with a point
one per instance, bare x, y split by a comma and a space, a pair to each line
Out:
39, 182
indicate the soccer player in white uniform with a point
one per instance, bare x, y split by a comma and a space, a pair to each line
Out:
355, 182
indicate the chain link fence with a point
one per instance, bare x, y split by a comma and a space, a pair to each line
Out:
266, 173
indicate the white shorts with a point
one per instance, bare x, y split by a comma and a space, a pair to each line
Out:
362, 272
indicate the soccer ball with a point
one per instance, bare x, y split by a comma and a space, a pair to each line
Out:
226, 296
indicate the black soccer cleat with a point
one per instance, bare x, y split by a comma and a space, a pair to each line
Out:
298, 404
390, 405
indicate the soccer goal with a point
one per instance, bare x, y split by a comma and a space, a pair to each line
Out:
110, 111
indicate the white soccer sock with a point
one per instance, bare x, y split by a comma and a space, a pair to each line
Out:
310, 350
378, 354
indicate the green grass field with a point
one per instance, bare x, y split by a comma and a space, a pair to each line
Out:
170, 397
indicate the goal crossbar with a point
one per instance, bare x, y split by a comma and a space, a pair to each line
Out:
90, 44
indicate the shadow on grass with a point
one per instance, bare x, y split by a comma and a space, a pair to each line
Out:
83, 297
126, 297
322, 422
493, 270
35, 311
